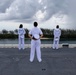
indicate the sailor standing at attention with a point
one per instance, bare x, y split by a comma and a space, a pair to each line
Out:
35, 34
21, 33
57, 34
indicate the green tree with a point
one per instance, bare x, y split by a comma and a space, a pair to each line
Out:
4, 31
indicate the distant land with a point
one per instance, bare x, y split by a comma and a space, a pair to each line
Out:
48, 34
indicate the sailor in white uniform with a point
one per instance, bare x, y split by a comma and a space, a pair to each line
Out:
21, 33
35, 34
57, 34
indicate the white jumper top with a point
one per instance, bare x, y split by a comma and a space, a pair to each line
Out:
57, 32
35, 32
21, 32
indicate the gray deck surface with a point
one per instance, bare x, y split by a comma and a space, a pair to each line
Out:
54, 62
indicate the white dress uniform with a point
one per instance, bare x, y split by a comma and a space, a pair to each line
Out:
57, 34
21, 33
35, 44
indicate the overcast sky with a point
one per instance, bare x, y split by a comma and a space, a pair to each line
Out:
48, 13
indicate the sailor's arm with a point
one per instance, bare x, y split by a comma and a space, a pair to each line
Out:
30, 36
60, 32
41, 35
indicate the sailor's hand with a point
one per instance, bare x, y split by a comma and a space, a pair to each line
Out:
31, 38
34, 38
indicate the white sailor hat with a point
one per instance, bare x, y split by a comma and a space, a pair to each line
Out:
36, 36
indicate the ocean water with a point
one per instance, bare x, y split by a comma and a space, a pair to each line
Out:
28, 41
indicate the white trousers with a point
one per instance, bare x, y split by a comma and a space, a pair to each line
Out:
35, 45
21, 43
56, 43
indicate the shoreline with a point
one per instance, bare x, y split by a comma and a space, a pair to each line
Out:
42, 45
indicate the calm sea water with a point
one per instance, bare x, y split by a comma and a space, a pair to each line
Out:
27, 41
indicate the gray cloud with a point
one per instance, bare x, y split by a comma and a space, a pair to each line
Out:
4, 4
20, 9
30, 10
71, 13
